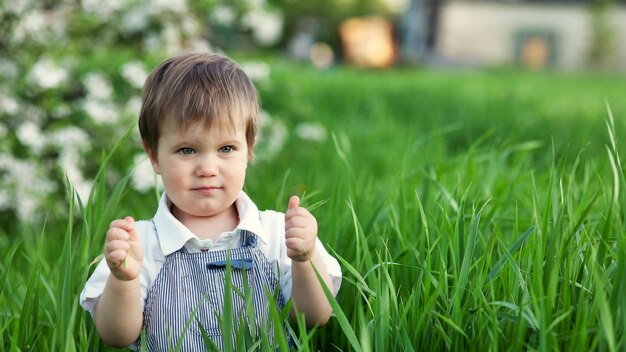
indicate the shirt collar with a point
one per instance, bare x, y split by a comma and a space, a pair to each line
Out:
173, 235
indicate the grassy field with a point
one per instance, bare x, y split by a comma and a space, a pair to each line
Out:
470, 210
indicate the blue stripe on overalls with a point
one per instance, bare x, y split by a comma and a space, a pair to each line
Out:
191, 282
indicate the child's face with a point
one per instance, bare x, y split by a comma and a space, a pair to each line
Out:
203, 170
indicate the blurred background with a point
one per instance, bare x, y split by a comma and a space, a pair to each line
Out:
71, 72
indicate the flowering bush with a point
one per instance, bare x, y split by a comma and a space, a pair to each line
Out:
71, 74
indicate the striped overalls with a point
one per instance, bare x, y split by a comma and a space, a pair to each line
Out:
190, 290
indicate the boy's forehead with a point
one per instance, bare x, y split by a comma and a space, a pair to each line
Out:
222, 127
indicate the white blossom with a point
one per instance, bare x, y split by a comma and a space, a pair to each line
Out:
191, 27
8, 104
57, 22
171, 38
201, 45
223, 15
264, 119
266, 25
136, 19
98, 86
46, 74
70, 162
30, 135
313, 132
17, 6
143, 176
256, 70
152, 41
70, 138
177, 6
100, 111
8, 68
30, 112
25, 183
26, 206
134, 73
133, 106
83, 189
71, 170
277, 137
271, 138
61, 111
104, 9
32, 24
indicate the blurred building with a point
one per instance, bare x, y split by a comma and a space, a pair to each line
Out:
537, 34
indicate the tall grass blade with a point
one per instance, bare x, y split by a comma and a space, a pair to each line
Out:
343, 321
29, 315
8, 260
451, 323
468, 257
514, 247
604, 312
206, 339
278, 321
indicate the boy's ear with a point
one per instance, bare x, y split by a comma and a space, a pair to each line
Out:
153, 159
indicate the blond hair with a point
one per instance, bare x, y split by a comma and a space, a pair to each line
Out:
209, 89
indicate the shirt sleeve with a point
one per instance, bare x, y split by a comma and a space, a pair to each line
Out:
274, 222
92, 291
332, 266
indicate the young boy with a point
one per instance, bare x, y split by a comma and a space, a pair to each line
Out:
198, 123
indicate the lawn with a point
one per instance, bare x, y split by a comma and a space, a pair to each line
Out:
470, 210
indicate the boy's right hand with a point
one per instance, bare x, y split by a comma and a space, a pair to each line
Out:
123, 250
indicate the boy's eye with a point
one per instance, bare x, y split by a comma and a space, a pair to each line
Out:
227, 149
186, 151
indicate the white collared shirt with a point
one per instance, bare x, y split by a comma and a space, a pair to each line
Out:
171, 235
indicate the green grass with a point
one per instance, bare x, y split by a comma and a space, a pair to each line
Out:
469, 210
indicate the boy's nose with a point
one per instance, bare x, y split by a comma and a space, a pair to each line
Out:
207, 166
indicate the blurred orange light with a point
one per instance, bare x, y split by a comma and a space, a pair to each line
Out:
368, 41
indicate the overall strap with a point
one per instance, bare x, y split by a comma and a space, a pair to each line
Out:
248, 239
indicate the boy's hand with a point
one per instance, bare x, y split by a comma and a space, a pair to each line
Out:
300, 231
123, 250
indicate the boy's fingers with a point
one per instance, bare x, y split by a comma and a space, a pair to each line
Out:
117, 245
295, 244
298, 232
300, 218
130, 228
117, 256
117, 234
119, 223
294, 202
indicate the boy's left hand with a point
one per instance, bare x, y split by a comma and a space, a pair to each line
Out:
300, 231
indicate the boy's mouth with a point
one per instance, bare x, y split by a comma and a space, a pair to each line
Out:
206, 189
